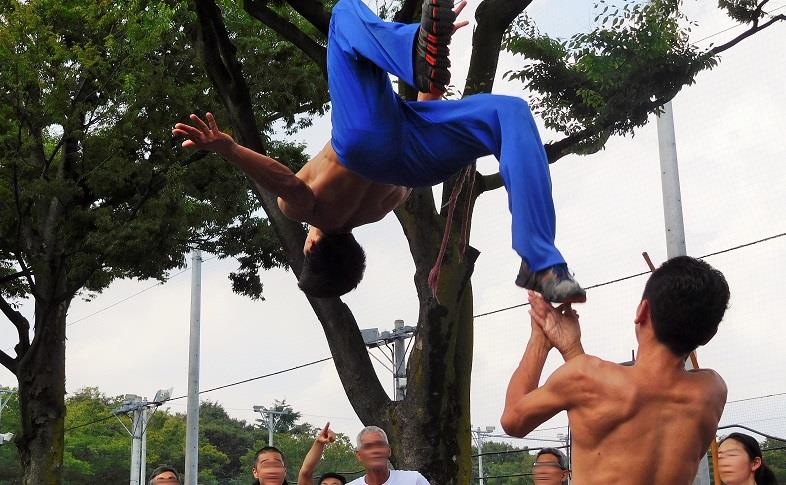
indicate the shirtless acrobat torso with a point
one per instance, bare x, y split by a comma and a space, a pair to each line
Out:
649, 423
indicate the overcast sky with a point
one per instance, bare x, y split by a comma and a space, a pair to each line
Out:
730, 139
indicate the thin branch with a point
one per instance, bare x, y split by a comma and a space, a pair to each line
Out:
487, 183
11, 277
756, 28
300, 109
289, 31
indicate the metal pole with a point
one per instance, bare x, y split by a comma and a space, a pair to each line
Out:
399, 371
479, 444
270, 426
672, 216
670, 183
192, 416
136, 444
143, 452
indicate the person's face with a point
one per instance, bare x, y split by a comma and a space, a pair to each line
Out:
330, 481
546, 470
270, 468
373, 451
734, 464
166, 478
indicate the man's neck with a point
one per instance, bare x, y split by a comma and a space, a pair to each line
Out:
657, 358
377, 476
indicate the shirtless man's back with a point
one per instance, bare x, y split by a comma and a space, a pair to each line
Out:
649, 423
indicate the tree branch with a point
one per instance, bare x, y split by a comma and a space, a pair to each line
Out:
487, 183
313, 11
11, 277
756, 28
9, 362
22, 328
493, 18
289, 31
406, 13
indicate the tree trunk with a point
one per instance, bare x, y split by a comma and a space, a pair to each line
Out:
41, 378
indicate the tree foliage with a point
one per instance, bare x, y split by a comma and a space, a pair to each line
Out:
100, 452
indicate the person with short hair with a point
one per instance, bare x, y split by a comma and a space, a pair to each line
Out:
740, 462
649, 423
373, 451
381, 147
550, 467
269, 467
164, 475
310, 462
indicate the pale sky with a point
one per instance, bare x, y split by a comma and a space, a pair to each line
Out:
730, 139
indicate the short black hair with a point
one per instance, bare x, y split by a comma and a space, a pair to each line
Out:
269, 449
333, 267
687, 299
335, 475
163, 469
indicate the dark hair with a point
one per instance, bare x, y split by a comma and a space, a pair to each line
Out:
163, 469
563, 460
270, 449
763, 474
334, 266
687, 299
327, 475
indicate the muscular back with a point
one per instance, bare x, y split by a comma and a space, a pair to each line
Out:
633, 425
343, 199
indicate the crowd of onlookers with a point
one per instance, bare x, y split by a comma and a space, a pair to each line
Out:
740, 462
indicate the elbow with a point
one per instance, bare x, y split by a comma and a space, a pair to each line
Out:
511, 425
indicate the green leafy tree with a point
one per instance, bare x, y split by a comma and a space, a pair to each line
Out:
588, 88
93, 188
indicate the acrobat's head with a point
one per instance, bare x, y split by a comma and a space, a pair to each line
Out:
684, 301
333, 266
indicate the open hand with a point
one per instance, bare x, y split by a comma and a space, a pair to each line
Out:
203, 136
326, 435
560, 325
458, 10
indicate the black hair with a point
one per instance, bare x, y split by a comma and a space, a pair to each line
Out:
687, 299
269, 449
333, 267
327, 475
163, 469
763, 475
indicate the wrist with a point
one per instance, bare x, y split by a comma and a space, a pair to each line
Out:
539, 341
573, 351
228, 150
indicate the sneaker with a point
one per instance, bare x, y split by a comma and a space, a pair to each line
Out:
431, 48
556, 284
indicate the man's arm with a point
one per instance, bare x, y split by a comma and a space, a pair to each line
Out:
527, 405
264, 171
310, 462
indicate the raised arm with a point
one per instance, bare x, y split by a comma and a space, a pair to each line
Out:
310, 462
264, 171
526, 404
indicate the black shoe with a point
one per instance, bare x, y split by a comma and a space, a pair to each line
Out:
556, 284
431, 48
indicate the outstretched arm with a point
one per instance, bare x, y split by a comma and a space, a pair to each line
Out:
264, 171
306, 474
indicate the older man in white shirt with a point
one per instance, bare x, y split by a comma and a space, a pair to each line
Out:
373, 450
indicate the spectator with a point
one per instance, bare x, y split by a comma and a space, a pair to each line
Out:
269, 467
373, 451
164, 475
312, 460
550, 467
740, 462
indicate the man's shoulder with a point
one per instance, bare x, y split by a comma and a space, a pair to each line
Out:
406, 477
710, 382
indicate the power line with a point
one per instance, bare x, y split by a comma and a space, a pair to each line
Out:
606, 283
160, 283
734, 26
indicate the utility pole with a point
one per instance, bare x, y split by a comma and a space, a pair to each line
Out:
672, 215
397, 338
272, 419
192, 413
140, 414
479, 435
